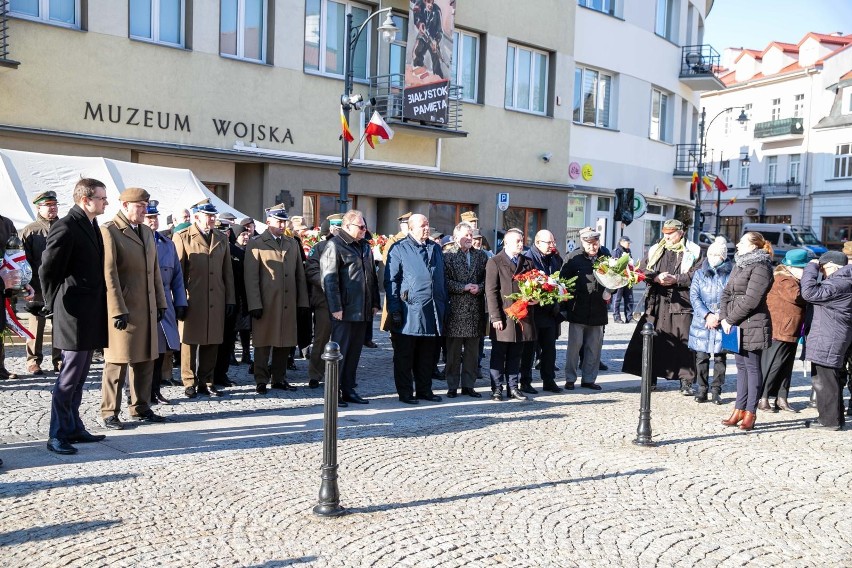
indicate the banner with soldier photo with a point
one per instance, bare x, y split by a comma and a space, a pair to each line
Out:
428, 60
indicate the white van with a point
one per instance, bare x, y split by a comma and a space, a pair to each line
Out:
784, 238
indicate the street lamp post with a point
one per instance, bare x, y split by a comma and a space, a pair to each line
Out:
347, 101
702, 141
743, 160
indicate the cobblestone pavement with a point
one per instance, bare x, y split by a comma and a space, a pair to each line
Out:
551, 482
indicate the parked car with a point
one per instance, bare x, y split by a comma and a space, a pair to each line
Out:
784, 238
706, 239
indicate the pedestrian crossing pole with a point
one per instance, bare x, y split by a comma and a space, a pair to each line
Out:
329, 494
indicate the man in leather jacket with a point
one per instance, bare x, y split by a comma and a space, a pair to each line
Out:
352, 293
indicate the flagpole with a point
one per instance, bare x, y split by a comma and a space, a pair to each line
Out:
718, 196
358, 147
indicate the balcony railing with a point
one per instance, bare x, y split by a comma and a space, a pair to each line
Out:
4, 36
389, 93
686, 161
770, 189
698, 66
784, 127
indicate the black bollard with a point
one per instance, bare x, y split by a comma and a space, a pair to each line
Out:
329, 494
643, 432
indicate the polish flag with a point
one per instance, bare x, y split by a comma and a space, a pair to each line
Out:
377, 128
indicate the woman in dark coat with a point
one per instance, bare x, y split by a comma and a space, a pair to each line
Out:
744, 305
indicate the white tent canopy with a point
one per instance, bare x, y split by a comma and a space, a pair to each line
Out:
23, 175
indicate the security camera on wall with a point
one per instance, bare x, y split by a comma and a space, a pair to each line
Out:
546, 157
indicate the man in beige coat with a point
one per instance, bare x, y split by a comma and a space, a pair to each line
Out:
205, 260
275, 289
135, 303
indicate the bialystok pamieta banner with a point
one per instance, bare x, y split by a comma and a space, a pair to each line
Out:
428, 60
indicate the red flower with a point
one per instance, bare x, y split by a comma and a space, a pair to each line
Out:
518, 310
548, 287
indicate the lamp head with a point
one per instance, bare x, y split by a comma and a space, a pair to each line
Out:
388, 29
743, 117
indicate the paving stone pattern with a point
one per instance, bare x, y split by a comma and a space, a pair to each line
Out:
552, 482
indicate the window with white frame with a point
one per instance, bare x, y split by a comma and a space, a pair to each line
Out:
242, 30
798, 106
160, 21
725, 171
847, 101
60, 12
659, 115
326, 43
843, 161
776, 109
747, 111
795, 161
396, 49
727, 124
771, 169
465, 66
526, 79
592, 93
744, 167
664, 26
605, 6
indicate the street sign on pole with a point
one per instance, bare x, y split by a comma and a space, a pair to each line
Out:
502, 201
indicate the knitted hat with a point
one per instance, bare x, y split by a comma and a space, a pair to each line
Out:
719, 247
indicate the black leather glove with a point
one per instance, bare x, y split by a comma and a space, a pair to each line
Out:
161, 312
46, 313
396, 318
229, 310
120, 322
34, 308
180, 313
256, 314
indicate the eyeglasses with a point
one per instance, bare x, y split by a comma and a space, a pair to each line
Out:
547, 242
96, 197
362, 227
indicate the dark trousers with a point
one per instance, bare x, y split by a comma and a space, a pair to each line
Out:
225, 351
829, 395
157, 376
702, 367
350, 336
266, 372
68, 393
505, 364
413, 363
777, 365
245, 343
623, 296
749, 380
545, 345
462, 355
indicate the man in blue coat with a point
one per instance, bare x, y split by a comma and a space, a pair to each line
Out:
416, 293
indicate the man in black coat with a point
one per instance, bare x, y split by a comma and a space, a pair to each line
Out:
587, 311
72, 281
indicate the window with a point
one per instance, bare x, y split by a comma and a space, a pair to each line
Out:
795, 160
747, 111
843, 161
527, 220
61, 12
665, 18
847, 100
725, 171
605, 6
445, 216
771, 169
592, 90
465, 66
776, 109
727, 124
798, 106
220, 190
526, 79
326, 41
744, 167
242, 31
659, 115
159, 21
396, 49
317, 206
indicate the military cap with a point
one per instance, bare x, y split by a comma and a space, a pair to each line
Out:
404, 217
469, 216
152, 208
277, 212
672, 225
204, 206
298, 223
45, 197
476, 234
134, 195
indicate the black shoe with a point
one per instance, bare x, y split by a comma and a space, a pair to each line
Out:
716, 397
816, 424
283, 385
409, 400
190, 392
355, 398
701, 397
528, 389
150, 417
341, 403
686, 389
555, 368
233, 362
617, 320
251, 368
260, 389
593, 386
246, 361
161, 399
226, 382
552, 387
471, 392
371, 345
497, 395
113, 423
452, 393
86, 438
517, 395
313, 384
569, 386
213, 391
602, 366
849, 410
59, 446
431, 397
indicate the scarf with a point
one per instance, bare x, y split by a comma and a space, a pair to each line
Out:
663, 246
752, 257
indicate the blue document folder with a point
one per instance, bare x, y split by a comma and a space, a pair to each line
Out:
731, 342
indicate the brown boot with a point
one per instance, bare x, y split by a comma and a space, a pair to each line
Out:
748, 421
784, 405
736, 417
